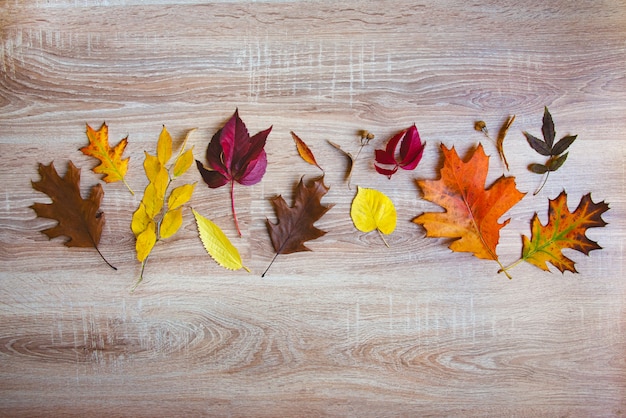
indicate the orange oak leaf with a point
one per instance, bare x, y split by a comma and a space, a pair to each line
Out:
564, 229
80, 220
471, 211
295, 224
112, 166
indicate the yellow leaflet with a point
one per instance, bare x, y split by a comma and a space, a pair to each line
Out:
372, 210
152, 201
161, 182
145, 242
183, 162
217, 244
164, 146
151, 166
180, 196
140, 220
172, 221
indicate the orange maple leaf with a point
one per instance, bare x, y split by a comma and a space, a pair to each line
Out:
471, 211
111, 165
564, 229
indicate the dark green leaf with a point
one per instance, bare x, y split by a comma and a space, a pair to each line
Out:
538, 145
538, 168
548, 128
556, 163
563, 144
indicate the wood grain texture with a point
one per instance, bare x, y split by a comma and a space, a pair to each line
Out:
352, 328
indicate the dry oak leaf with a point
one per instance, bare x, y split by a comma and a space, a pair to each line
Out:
80, 220
112, 165
295, 224
564, 229
471, 211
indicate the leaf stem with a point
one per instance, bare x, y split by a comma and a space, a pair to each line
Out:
143, 266
105, 260
232, 204
382, 237
545, 180
510, 266
128, 186
268, 267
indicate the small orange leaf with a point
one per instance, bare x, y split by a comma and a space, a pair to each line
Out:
304, 151
471, 211
111, 165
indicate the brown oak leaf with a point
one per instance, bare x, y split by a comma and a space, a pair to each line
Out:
295, 224
80, 220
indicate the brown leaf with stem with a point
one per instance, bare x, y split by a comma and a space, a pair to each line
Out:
80, 220
365, 138
481, 126
296, 223
304, 151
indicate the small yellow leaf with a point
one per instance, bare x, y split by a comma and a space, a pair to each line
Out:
183, 162
372, 210
172, 221
145, 242
180, 196
151, 166
217, 244
164, 146
152, 201
140, 220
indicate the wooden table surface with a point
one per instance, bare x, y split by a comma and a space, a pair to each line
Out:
352, 328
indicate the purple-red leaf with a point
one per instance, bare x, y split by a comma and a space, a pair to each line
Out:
410, 154
234, 156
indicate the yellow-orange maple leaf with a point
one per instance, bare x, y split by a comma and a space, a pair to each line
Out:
471, 211
112, 165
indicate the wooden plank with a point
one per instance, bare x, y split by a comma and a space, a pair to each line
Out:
351, 328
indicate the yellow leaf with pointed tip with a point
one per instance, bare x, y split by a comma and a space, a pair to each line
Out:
152, 201
151, 166
172, 221
372, 210
111, 164
180, 196
164, 146
217, 244
145, 242
183, 162
140, 220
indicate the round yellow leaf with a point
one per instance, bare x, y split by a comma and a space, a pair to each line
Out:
372, 210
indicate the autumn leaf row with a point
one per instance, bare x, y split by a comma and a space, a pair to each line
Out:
233, 156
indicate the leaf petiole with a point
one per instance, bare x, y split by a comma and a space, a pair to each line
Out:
232, 205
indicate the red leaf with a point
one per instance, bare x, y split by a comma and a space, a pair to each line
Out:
411, 151
234, 156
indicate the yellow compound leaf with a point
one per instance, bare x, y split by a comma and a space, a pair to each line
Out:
183, 162
152, 201
372, 210
172, 221
180, 196
217, 244
164, 146
145, 242
140, 220
112, 165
